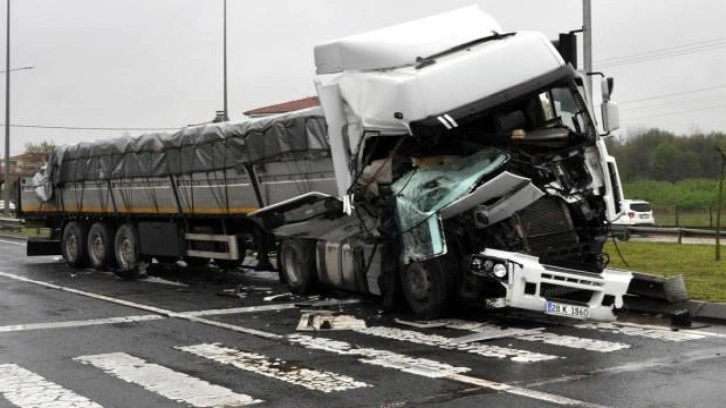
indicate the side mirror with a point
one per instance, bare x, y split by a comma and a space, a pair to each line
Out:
606, 87
610, 116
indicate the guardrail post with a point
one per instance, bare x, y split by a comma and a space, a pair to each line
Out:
680, 235
677, 221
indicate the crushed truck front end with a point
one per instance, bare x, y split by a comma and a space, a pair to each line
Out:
468, 166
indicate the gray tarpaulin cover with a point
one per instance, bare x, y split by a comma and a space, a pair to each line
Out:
218, 146
425, 191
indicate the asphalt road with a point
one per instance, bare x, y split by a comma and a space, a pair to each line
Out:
87, 339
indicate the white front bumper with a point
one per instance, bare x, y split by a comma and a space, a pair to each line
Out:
530, 284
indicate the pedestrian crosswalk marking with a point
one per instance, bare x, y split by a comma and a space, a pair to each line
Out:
664, 334
423, 367
25, 389
602, 346
166, 382
484, 350
324, 381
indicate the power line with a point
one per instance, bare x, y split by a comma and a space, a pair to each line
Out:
701, 99
711, 42
673, 94
87, 128
659, 54
675, 112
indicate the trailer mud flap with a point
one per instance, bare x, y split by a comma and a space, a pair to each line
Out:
43, 246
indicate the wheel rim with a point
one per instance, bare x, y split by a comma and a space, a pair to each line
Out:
71, 247
291, 266
98, 249
125, 252
417, 281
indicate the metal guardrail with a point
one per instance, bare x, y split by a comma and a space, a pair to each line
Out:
11, 223
623, 231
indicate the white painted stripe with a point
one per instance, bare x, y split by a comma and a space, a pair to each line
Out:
272, 336
651, 332
24, 388
451, 120
166, 382
153, 309
484, 350
444, 122
423, 367
582, 343
78, 323
13, 242
324, 381
240, 310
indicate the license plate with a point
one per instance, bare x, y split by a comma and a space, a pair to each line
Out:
561, 309
644, 216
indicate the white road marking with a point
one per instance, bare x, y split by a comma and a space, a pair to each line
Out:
153, 309
423, 367
166, 382
24, 388
158, 280
601, 346
434, 340
77, 323
240, 310
315, 380
13, 242
650, 332
420, 369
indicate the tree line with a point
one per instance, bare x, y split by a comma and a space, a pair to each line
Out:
656, 154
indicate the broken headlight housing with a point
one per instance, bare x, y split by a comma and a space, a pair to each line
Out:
489, 267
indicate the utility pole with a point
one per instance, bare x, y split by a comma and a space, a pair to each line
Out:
587, 42
6, 183
224, 35
718, 205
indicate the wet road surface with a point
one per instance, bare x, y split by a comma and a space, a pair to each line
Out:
72, 338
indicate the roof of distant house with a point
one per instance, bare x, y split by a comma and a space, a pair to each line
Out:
30, 157
290, 106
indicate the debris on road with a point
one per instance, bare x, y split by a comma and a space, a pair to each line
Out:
244, 291
495, 333
328, 302
434, 324
326, 321
279, 296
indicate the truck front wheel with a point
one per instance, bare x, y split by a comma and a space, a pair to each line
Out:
429, 286
73, 244
128, 255
298, 265
100, 245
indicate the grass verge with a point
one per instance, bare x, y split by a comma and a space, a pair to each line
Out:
705, 278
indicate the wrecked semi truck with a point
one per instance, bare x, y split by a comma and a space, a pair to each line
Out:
449, 161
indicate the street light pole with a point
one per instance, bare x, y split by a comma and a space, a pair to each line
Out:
226, 112
587, 42
6, 183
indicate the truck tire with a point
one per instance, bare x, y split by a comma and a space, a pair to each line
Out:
429, 286
127, 253
100, 246
73, 244
297, 265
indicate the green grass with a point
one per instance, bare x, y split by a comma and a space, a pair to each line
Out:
705, 278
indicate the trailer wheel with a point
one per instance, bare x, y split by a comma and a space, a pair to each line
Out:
100, 246
298, 265
429, 286
73, 244
126, 250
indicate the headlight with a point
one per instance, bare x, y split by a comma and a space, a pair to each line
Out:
499, 270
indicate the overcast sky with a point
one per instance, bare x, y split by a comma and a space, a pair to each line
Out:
158, 63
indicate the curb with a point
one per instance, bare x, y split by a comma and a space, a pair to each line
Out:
699, 310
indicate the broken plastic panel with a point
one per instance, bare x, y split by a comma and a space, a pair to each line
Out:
422, 192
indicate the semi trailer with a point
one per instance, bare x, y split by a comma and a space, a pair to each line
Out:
449, 162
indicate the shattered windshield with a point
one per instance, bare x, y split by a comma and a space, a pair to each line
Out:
422, 192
